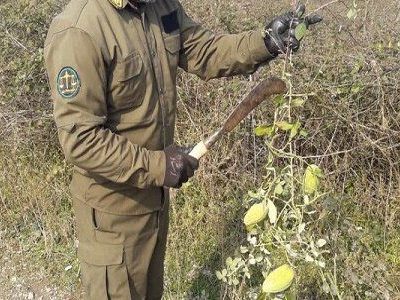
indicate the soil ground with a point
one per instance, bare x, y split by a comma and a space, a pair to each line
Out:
17, 281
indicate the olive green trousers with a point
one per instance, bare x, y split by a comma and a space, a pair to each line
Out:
121, 257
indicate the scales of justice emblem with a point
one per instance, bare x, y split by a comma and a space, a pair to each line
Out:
68, 82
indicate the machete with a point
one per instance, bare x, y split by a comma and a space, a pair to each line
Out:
263, 90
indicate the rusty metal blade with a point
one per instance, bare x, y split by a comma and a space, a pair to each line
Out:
262, 91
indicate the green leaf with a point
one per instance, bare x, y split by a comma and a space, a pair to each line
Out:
283, 125
352, 13
357, 67
295, 129
301, 228
321, 264
278, 189
320, 243
311, 182
236, 261
264, 130
297, 102
291, 295
304, 133
300, 31
311, 179
255, 195
342, 90
317, 171
229, 261
279, 100
326, 288
272, 212
262, 296
356, 88
309, 258
219, 275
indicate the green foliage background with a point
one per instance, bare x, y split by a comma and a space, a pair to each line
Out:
351, 67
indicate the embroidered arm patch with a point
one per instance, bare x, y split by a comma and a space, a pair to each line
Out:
68, 83
170, 22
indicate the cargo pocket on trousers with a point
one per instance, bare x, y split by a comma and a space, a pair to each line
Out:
104, 273
103, 236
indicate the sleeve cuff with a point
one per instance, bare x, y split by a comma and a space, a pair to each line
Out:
257, 47
157, 166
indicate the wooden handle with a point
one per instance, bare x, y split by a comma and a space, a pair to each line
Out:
199, 150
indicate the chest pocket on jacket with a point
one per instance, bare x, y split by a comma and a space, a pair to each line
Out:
173, 46
128, 86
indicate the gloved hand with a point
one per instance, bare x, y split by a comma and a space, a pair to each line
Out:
280, 32
180, 166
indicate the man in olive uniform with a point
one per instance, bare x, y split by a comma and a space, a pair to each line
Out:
112, 68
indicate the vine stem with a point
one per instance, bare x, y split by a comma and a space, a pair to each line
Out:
323, 6
287, 76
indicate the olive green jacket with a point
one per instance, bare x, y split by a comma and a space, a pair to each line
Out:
112, 71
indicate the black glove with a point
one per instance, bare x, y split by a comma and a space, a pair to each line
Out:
280, 32
180, 166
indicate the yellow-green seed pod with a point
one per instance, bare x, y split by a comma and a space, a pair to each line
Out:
278, 280
255, 214
311, 179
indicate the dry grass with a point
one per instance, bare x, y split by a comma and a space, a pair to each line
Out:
352, 116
